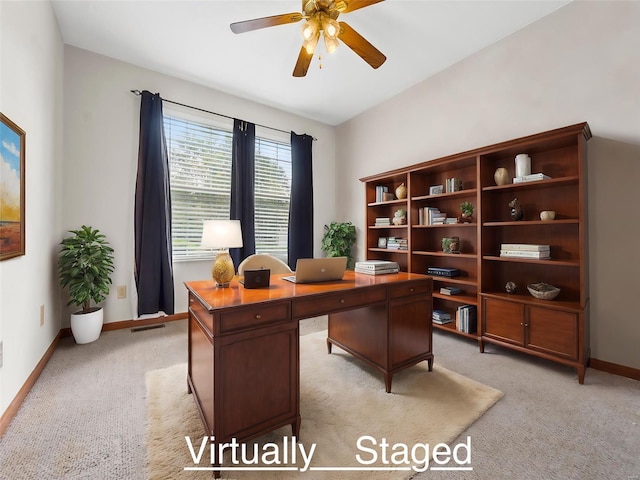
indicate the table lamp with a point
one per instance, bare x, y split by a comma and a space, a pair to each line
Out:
222, 235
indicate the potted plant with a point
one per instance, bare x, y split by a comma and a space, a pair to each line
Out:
466, 210
338, 240
85, 265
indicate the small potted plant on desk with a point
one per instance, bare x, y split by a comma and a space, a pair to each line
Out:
85, 265
338, 240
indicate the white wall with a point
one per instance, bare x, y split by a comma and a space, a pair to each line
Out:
101, 125
578, 64
31, 57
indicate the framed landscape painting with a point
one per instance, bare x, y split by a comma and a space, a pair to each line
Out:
12, 176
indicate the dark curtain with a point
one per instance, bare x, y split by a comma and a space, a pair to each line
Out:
154, 272
243, 156
300, 243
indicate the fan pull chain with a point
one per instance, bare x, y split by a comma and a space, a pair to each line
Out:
320, 61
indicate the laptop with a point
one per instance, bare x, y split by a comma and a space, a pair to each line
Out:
256, 278
310, 270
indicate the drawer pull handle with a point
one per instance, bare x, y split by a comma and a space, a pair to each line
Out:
411, 290
258, 316
342, 300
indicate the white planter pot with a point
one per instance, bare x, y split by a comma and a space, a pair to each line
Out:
86, 327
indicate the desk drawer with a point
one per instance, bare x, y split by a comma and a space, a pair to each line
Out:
254, 316
409, 288
312, 307
202, 314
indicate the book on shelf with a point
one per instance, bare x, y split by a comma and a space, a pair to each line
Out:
531, 178
377, 272
441, 317
531, 247
525, 254
396, 243
382, 221
373, 265
450, 290
466, 318
443, 272
380, 191
387, 197
441, 321
453, 185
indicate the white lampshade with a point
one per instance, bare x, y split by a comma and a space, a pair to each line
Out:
221, 234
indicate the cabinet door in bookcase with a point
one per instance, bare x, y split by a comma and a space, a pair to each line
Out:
503, 320
553, 332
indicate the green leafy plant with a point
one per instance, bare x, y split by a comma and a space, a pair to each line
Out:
85, 265
338, 240
466, 208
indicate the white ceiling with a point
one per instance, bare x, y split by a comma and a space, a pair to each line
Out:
192, 40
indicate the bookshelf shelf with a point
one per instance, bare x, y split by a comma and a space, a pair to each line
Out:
442, 254
387, 203
556, 329
388, 250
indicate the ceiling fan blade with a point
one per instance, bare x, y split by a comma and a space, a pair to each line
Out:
304, 58
256, 23
346, 6
361, 46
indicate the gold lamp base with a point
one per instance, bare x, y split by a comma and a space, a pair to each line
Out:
223, 269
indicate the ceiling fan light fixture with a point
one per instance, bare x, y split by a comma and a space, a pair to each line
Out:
310, 44
330, 27
330, 43
309, 29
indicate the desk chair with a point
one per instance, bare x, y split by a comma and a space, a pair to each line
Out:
263, 260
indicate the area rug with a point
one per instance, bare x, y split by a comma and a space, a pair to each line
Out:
358, 430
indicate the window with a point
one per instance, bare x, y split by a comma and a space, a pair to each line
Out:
200, 179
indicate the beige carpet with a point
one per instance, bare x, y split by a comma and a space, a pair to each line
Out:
341, 400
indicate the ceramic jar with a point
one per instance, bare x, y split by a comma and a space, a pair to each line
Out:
523, 165
401, 192
501, 176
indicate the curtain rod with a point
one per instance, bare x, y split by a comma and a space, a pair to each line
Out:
138, 93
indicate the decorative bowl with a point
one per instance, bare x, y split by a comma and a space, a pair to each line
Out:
547, 215
543, 291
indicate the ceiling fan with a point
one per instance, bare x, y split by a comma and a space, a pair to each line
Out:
321, 18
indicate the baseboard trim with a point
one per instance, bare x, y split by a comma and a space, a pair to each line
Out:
16, 403
66, 332
143, 323
615, 369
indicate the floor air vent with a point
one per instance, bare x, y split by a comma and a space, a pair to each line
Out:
146, 327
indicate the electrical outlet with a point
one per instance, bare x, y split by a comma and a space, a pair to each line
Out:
122, 291
41, 315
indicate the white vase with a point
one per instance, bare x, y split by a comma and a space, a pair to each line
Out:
523, 165
86, 327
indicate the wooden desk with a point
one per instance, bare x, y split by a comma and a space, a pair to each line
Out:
244, 344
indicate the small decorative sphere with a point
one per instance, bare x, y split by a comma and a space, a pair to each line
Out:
510, 287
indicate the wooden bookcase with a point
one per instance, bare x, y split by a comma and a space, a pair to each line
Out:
553, 329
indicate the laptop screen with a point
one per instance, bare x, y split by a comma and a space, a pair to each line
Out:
309, 270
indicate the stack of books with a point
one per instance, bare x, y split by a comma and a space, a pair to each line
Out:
382, 222
380, 191
441, 317
377, 267
525, 250
466, 319
531, 178
443, 272
450, 290
431, 216
396, 243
